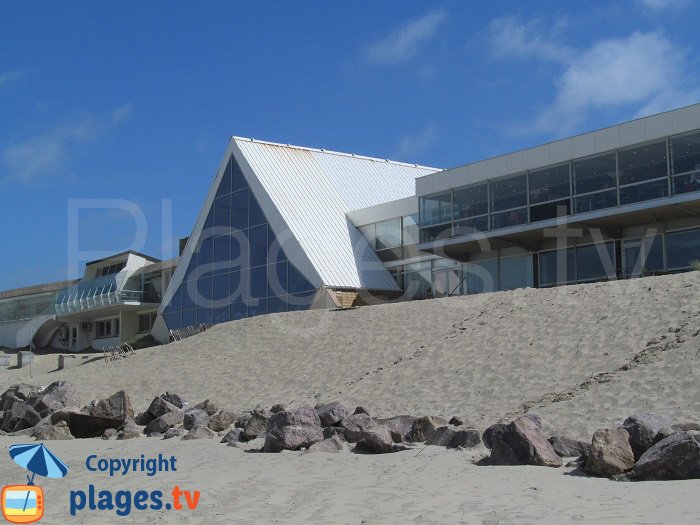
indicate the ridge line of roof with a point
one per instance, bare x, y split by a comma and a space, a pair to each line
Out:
332, 152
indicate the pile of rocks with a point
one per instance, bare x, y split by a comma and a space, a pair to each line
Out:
646, 447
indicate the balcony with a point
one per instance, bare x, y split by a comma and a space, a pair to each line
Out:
99, 293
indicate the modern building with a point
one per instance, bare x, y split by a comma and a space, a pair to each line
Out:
286, 228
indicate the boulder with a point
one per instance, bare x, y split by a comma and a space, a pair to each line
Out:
44, 430
568, 448
537, 420
663, 433
144, 418
610, 453
642, 429
195, 418
62, 392
332, 413
164, 422
278, 407
235, 435
331, 445
521, 443
399, 427
109, 433
209, 407
377, 440
489, 433
18, 392
329, 432
243, 419
423, 428
174, 432
88, 426
19, 417
292, 430
355, 426
160, 406
454, 437
130, 430
46, 405
199, 433
174, 399
360, 410
257, 424
675, 457
117, 406
456, 421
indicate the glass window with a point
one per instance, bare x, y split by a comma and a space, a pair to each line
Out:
258, 282
481, 276
641, 163
595, 174
257, 307
173, 319
435, 209
686, 183
595, 261
685, 153
550, 210
189, 318
222, 213
443, 231
277, 279
239, 210
238, 181
549, 184
277, 304
255, 213
204, 291
643, 256
369, 233
556, 271
469, 226
417, 280
222, 251
682, 248
205, 315
206, 252
222, 314
257, 238
235, 286
390, 254
221, 290
297, 282
471, 201
389, 234
410, 230
644, 192
596, 201
225, 185
515, 272
508, 218
509, 193
239, 310
146, 321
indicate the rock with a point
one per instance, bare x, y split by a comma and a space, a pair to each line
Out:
521, 443
642, 429
355, 426
399, 427
331, 413
63, 392
160, 406
19, 417
144, 418
487, 436
279, 407
174, 399
329, 432
243, 419
292, 430
611, 453
164, 422
331, 445
456, 421
568, 448
18, 392
257, 424
663, 433
174, 432
46, 405
537, 420
109, 433
199, 433
117, 406
44, 430
208, 406
195, 418
130, 430
360, 410
377, 440
685, 427
87, 426
235, 435
423, 428
675, 457
454, 437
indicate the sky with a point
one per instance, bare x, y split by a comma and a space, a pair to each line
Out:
114, 116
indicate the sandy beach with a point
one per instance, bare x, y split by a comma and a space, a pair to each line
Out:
582, 357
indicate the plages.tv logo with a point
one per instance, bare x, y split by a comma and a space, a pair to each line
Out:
25, 503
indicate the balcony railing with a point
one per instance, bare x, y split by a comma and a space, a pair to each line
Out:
98, 293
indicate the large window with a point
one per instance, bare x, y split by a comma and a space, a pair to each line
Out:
515, 272
410, 230
595, 262
146, 321
549, 184
436, 209
643, 255
389, 234
471, 201
107, 328
509, 193
481, 276
682, 249
595, 174
557, 267
685, 163
643, 172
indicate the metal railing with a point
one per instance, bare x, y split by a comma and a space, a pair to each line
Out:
188, 331
107, 295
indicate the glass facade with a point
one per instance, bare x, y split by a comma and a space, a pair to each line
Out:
239, 268
584, 263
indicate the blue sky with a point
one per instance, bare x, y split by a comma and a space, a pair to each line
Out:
136, 101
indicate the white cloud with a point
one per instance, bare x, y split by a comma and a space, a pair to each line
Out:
412, 145
404, 42
46, 154
511, 37
663, 5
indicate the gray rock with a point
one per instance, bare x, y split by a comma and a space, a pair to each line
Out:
424, 427
292, 430
174, 399
209, 407
117, 406
199, 433
675, 457
456, 421
160, 406
19, 417
235, 435
489, 433
329, 432
46, 405
130, 430
18, 392
568, 448
164, 422
243, 419
399, 427
63, 392
257, 424
174, 433
610, 453
332, 413
454, 437
642, 429
355, 426
279, 407
522, 443
377, 440
537, 420
195, 418
331, 445
44, 430
144, 418
663, 433
360, 410
109, 433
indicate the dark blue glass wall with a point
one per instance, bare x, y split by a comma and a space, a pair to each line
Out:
239, 268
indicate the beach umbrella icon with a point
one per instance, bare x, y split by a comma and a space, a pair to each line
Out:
38, 459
